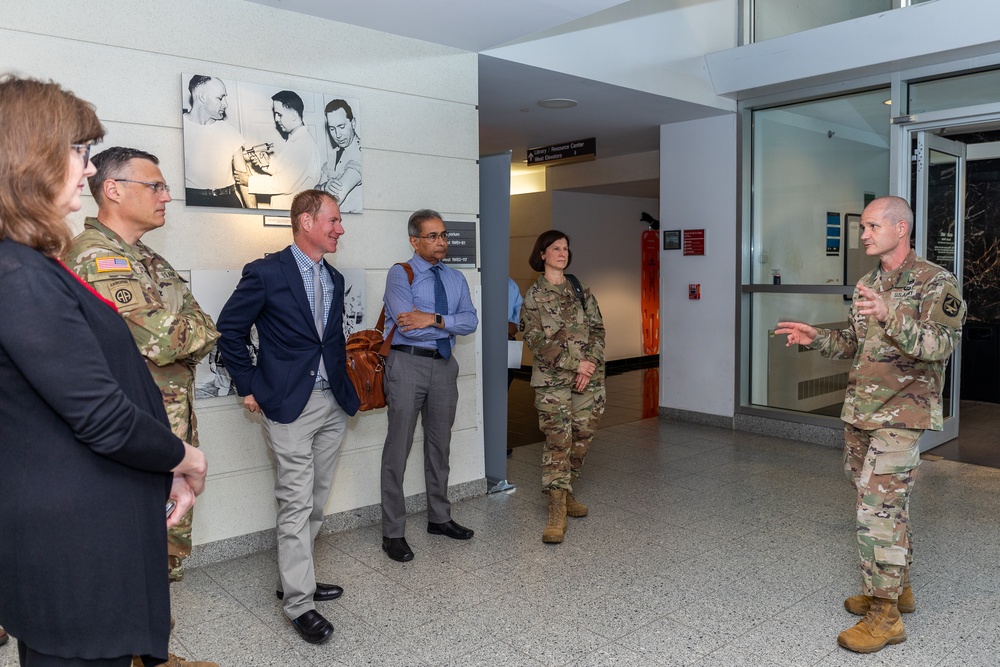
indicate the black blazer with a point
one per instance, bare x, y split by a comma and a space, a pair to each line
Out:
85, 454
271, 295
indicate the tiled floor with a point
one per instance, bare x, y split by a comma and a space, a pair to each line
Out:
703, 547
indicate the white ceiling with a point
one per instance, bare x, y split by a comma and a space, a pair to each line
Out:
623, 120
471, 25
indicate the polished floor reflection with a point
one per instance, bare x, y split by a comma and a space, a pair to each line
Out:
978, 440
632, 395
703, 546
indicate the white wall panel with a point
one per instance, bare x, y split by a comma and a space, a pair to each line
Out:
697, 349
251, 37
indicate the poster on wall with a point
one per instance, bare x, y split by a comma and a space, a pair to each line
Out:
212, 288
255, 146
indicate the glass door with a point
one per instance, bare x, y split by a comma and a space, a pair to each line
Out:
938, 199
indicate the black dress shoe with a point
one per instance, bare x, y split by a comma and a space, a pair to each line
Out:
312, 627
324, 592
450, 529
397, 549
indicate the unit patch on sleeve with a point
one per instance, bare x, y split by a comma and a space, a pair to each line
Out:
125, 293
950, 310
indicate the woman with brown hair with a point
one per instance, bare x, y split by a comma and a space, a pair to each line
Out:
86, 453
563, 328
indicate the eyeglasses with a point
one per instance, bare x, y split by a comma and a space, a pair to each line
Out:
83, 150
435, 237
157, 187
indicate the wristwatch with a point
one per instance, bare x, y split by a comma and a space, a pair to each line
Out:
438, 320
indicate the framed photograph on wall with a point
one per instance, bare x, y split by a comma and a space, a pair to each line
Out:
256, 146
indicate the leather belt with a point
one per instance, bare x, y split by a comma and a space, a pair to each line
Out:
418, 351
228, 190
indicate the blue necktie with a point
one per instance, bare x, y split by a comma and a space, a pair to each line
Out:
441, 307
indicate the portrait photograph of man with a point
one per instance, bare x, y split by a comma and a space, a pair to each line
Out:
255, 146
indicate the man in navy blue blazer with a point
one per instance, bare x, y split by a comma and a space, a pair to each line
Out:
299, 386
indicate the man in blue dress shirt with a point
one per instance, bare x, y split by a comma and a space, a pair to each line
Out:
421, 378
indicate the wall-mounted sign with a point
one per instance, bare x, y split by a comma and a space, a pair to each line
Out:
833, 233
672, 239
571, 151
461, 245
694, 241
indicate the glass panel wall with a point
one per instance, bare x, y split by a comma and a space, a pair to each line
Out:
796, 378
774, 18
953, 92
814, 167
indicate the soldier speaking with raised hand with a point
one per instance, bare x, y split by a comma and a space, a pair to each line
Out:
171, 330
906, 319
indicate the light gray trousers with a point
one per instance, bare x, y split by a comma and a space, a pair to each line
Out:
305, 453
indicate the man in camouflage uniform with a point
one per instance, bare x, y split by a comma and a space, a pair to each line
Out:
906, 319
170, 329
565, 333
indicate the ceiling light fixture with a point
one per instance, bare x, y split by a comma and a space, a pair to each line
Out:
557, 103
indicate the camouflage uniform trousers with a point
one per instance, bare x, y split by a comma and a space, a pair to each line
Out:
180, 412
569, 420
881, 465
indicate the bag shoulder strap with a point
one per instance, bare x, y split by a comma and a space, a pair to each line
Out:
384, 350
578, 289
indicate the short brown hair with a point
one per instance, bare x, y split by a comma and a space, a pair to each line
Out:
308, 202
542, 243
111, 163
39, 121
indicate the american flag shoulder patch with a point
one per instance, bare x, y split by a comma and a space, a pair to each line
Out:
105, 264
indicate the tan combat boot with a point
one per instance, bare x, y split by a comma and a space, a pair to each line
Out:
881, 625
574, 507
858, 604
556, 527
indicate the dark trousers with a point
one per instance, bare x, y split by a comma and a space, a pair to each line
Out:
429, 388
193, 198
31, 658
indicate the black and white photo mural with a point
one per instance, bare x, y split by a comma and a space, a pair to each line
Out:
255, 146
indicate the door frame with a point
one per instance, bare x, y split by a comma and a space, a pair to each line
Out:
927, 143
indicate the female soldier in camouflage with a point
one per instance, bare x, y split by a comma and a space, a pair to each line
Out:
563, 329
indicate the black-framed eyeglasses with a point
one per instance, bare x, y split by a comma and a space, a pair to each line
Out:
83, 150
156, 187
435, 237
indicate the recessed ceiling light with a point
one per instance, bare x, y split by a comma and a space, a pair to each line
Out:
557, 103
525, 110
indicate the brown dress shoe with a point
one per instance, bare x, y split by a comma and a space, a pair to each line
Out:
4, 637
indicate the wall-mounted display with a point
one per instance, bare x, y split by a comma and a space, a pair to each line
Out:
212, 288
462, 245
255, 146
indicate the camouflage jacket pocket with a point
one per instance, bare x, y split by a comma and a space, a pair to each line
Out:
899, 453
